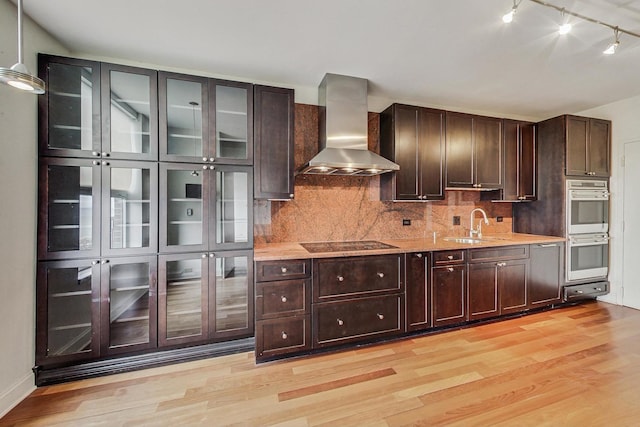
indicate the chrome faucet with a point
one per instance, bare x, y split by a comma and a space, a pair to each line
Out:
477, 232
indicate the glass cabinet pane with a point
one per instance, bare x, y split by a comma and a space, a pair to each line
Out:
232, 122
130, 207
70, 106
69, 310
129, 304
184, 207
232, 293
185, 298
233, 194
130, 112
72, 208
184, 118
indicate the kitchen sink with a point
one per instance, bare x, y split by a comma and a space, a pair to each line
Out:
469, 240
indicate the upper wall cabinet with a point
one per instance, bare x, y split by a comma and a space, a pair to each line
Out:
274, 137
129, 113
474, 152
414, 138
205, 120
70, 109
588, 146
519, 161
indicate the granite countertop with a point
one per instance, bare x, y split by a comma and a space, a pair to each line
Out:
291, 250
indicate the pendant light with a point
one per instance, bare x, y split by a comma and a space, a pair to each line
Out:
18, 75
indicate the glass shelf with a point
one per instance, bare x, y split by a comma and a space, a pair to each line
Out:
69, 294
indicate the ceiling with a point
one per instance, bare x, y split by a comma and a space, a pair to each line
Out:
455, 54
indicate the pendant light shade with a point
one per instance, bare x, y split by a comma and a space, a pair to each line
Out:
18, 75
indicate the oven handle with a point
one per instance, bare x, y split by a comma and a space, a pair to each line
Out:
580, 195
575, 242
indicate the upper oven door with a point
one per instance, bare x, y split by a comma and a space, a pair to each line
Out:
587, 211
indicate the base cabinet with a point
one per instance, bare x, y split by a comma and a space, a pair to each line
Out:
449, 288
547, 274
418, 291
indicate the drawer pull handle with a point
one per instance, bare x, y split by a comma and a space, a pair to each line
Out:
283, 269
599, 289
381, 275
450, 269
579, 292
340, 322
284, 335
380, 316
283, 298
340, 279
449, 257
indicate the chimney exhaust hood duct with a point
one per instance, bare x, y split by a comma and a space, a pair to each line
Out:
344, 131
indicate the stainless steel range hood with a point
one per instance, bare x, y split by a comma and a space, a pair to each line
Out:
344, 131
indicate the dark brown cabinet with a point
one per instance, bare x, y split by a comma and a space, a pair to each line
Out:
588, 146
274, 137
449, 288
283, 307
418, 291
205, 120
483, 290
546, 276
414, 138
513, 279
519, 161
474, 151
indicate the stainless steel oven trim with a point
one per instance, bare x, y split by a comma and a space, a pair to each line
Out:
586, 190
583, 240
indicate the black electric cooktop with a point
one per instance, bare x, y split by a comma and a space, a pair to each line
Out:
360, 245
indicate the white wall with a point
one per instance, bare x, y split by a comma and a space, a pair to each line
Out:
18, 190
625, 128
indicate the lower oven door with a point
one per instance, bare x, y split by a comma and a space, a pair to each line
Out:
587, 257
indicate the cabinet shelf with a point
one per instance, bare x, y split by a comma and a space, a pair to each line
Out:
64, 201
185, 200
69, 294
231, 112
185, 222
183, 312
131, 319
71, 326
179, 136
130, 288
136, 201
232, 139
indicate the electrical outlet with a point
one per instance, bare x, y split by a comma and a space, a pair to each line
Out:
456, 220
189, 212
406, 222
499, 219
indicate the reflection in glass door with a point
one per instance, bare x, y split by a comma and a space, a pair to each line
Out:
233, 295
234, 196
233, 122
183, 298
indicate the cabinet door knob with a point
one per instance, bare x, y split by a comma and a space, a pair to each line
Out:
599, 289
105, 261
212, 255
291, 195
95, 262
380, 316
212, 159
340, 279
96, 162
449, 257
381, 275
450, 269
204, 255
104, 163
105, 154
419, 255
340, 322
205, 167
284, 335
283, 298
95, 153
283, 269
204, 159
579, 292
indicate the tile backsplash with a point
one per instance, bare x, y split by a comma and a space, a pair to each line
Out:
332, 208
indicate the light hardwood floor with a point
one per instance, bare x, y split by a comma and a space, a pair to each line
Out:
575, 366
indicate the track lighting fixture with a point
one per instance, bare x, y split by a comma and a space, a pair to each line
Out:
613, 46
18, 75
565, 26
508, 17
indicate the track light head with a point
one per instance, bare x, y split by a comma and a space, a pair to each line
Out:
564, 28
611, 49
507, 18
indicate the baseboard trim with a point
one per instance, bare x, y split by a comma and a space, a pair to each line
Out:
16, 394
48, 376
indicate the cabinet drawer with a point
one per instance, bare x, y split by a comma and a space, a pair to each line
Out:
585, 291
499, 253
351, 320
282, 336
347, 277
448, 257
283, 298
267, 271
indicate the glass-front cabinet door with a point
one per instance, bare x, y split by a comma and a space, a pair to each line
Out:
129, 113
70, 109
231, 116
184, 211
184, 115
232, 223
68, 310
129, 310
231, 294
183, 289
69, 220
129, 208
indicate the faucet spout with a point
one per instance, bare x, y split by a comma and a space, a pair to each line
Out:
477, 232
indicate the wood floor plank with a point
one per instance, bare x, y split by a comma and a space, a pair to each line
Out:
574, 366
